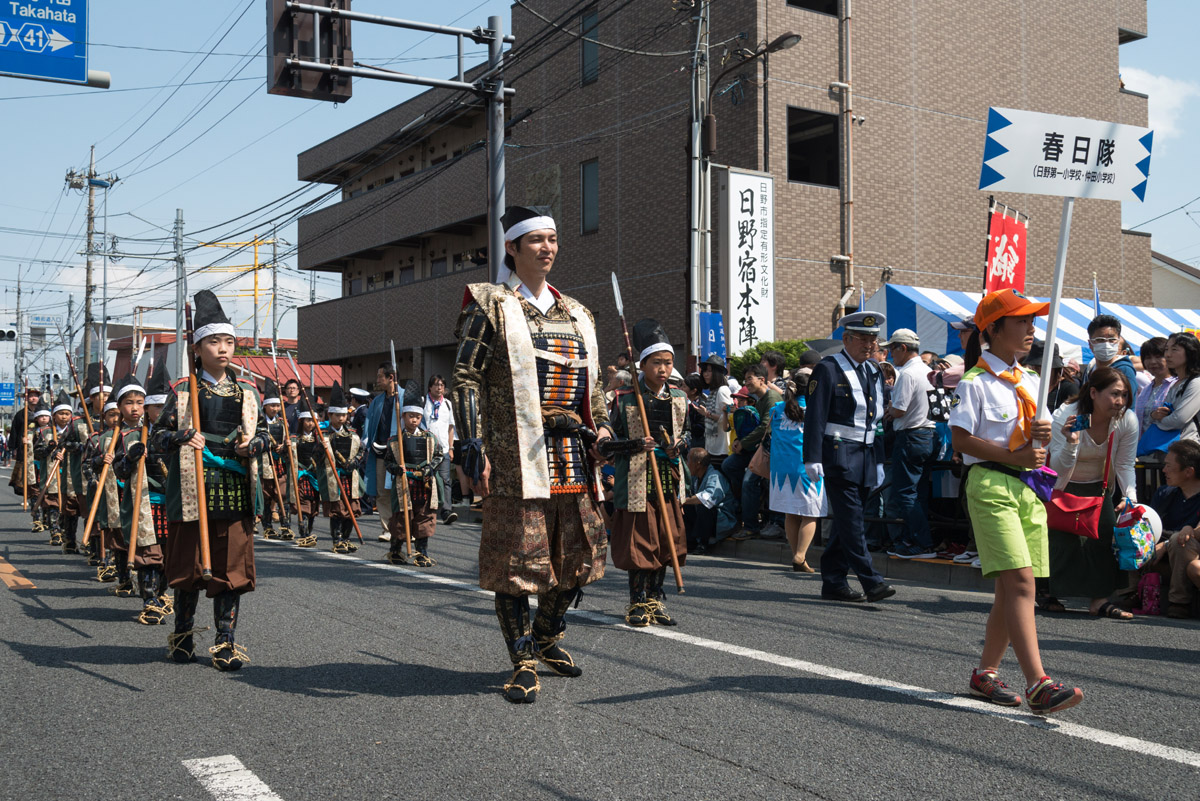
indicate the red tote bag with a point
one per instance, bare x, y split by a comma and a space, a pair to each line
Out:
1079, 514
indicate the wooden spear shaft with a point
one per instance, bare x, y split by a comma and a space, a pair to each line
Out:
91, 518
404, 503
201, 493
138, 482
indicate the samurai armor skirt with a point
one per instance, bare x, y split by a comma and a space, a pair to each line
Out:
421, 520
147, 556
532, 546
231, 545
336, 509
636, 541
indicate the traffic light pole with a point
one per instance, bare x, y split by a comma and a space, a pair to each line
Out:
489, 86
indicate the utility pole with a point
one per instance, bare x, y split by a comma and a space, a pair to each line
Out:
312, 298
274, 286
180, 296
255, 346
77, 180
20, 328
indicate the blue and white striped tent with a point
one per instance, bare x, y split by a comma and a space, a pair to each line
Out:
929, 312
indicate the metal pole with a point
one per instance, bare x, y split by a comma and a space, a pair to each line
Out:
699, 101
495, 144
706, 181
91, 235
1060, 269
180, 296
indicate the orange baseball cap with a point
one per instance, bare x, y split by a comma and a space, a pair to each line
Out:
1006, 303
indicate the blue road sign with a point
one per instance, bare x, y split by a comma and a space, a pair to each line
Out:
44, 39
8, 394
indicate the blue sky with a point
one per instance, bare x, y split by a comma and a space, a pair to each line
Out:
245, 155
1166, 66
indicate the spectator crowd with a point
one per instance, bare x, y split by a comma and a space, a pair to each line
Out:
1124, 426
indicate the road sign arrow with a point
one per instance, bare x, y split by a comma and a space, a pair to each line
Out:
3, 35
58, 41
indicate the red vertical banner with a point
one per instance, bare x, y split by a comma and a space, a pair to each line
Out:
1006, 253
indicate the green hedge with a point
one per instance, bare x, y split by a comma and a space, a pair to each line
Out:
791, 348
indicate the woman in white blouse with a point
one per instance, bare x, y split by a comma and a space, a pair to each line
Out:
1081, 567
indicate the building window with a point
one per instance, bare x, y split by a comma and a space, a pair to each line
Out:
589, 50
406, 173
822, 6
370, 283
355, 192
812, 147
407, 275
589, 196
389, 278
438, 159
355, 287
438, 267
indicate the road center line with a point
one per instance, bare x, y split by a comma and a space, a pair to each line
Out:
967, 704
227, 779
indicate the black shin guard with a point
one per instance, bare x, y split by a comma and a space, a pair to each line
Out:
513, 613
226, 655
549, 626
181, 646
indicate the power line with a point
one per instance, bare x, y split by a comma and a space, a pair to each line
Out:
185, 80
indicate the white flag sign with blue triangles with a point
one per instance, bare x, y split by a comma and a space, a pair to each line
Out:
1048, 154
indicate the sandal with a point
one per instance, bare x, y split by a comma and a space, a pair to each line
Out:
1048, 603
802, 567
1110, 610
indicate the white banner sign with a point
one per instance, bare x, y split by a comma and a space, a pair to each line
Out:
1048, 154
747, 219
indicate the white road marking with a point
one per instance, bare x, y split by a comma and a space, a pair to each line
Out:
227, 779
967, 704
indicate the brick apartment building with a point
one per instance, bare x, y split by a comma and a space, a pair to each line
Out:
601, 134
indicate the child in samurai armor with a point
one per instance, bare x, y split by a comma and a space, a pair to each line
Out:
129, 464
639, 542
273, 469
229, 433
33, 470
103, 449
417, 459
304, 450
61, 449
340, 494
158, 386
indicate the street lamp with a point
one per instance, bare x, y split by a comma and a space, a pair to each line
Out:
709, 133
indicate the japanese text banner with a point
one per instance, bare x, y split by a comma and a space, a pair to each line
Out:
1006, 253
1049, 154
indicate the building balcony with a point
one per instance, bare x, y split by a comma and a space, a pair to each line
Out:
415, 315
394, 213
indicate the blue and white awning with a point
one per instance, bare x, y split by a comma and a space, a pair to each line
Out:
929, 312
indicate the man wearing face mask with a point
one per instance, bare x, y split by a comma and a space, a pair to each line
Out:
1104, 338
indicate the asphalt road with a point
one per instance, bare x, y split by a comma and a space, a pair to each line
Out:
373, 682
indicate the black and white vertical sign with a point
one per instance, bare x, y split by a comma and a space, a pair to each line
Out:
747, 259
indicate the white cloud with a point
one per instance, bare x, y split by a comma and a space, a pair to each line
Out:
1168, 98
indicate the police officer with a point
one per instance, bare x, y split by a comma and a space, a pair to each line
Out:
845, 402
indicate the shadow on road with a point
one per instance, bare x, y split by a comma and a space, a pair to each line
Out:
393, 679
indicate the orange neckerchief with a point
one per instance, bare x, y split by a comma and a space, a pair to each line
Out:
1026, 405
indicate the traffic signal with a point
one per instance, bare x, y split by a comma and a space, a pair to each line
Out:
305, 36
8, 335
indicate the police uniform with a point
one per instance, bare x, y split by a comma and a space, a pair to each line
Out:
845, 402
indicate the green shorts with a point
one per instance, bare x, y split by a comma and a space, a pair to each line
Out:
1009, 522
